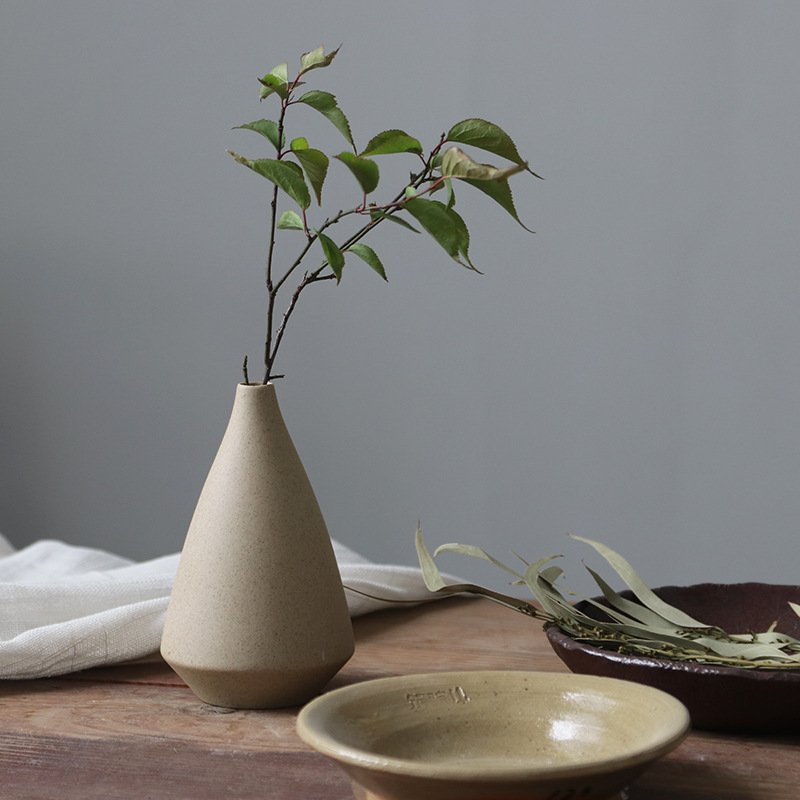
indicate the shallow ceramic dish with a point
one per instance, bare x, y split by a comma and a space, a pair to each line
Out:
718, 698
498, 735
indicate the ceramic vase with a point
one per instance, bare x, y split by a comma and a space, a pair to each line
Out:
258, 616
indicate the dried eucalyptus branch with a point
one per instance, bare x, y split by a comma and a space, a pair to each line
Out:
297, 170
646, 626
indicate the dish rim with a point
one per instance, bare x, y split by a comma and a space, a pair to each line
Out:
677, 727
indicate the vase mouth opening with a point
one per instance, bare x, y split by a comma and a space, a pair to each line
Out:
254, 385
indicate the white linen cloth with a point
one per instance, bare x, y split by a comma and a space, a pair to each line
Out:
65, 608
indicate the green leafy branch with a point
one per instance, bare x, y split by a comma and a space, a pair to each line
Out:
646, 626
297, 171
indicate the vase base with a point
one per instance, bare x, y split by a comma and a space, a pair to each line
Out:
256, 689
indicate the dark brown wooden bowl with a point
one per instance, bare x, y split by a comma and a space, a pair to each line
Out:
718, 698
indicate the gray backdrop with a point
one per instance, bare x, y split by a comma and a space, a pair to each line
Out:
629, 373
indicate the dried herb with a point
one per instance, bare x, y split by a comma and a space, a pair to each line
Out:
645, 626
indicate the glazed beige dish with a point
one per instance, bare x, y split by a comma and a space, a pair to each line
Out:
498, 735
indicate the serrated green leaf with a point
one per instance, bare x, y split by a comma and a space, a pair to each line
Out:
367, 254
314, 164
434, 219
446, 227
276, 82
366, 172
291, 221
486, 136
317, 59
281, 72
500, 192
393, 141
300, 143
326, 104
333, 255
457, 164
285, 175
267, 128
463, 234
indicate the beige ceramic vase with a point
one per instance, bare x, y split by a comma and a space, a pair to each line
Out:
258, 616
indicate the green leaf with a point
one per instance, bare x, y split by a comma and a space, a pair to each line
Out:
291, 220
500, 192
393, 141
370, 256
275, 82
486, 136
378, 216
457, 164
441, 222
463, 234
366, 172
333, 255
451, 195
317, 59
314, 164
325, 103
283, 174
267, 128
281, 72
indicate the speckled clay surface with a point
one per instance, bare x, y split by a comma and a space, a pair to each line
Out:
493, 735
258, 616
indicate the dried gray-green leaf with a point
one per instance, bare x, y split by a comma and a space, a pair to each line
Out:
457, 164
640, 588
474, 552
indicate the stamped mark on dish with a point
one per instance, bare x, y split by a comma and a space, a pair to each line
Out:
453, 695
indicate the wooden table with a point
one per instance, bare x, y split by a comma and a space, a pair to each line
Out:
136, 731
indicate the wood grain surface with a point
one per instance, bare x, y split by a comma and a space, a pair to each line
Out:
135, 731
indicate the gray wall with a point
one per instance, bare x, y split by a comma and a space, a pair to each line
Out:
629, 373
